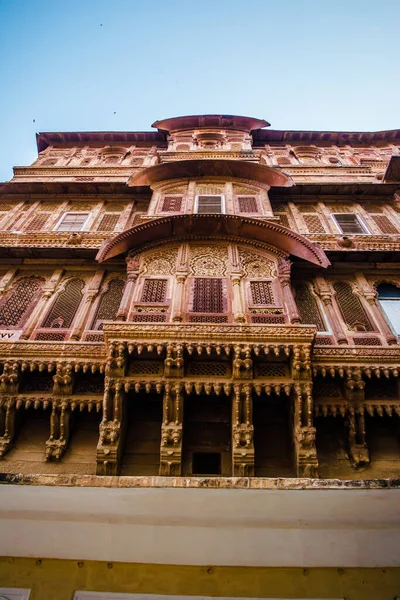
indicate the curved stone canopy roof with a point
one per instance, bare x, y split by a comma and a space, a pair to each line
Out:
203, 226
233, 122
198, 168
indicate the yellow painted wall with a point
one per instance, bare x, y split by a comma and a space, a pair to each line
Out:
57, 579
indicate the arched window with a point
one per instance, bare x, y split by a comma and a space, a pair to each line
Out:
308, 307
352, 310
389, 299
19, 302
109, 304
67, 303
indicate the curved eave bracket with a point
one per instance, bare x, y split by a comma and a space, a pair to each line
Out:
181, 226
197, 169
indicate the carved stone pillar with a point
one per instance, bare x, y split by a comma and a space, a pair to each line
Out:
7, 424
326, 295
304, 432
132, 271
284, 266
84, 308
39, 310
242, 432
109, 447
177, 302
355, 420
171, 431
237, 301
57, 443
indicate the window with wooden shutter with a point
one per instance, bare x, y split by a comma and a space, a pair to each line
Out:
208, 295
209, 205
19, 302
308, 308
350, 223
154, 291
352, 310
261, 293
109, 304
65, 306
247, 204
108, 222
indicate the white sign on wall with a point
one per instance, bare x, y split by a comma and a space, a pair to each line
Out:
9, 335
14, 594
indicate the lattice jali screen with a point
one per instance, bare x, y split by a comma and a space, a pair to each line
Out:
148, 318
109, 304
314, 224
384, 224
307, 208
208, 319
270, 370
284, 220
18, 302
50, 337
154, 290
208, 369
208, 295
351, 308
272, 319
308, 307
108, 222
38, 222
146, 367
367, 341
65, 306
247, 204
261, 292
172, 204
323, 341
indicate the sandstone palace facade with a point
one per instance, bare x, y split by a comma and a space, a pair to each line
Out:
210, 304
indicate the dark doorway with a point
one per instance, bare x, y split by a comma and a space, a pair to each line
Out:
332, 448
273, 446
383, 439
143, 435
207, 436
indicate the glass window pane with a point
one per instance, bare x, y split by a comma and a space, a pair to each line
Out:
209, 204
391, 308
72, 222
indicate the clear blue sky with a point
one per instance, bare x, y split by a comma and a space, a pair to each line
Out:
301, 64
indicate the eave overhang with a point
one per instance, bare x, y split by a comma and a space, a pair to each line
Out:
392, 173
197, 169
182, 227
230, 122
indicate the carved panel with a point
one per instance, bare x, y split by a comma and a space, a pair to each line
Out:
159, 262
65, 306
255, 265
108, 222
208, 260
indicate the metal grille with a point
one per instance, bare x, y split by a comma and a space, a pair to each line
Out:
261, 292
314, 224
208, 319
208, 296
367, 341
17, 304
108, 222
109, 303
172, 204
247, 204
37, 223
384, 224
308, 308
67, 303
276, 319
351, 308
154, 290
